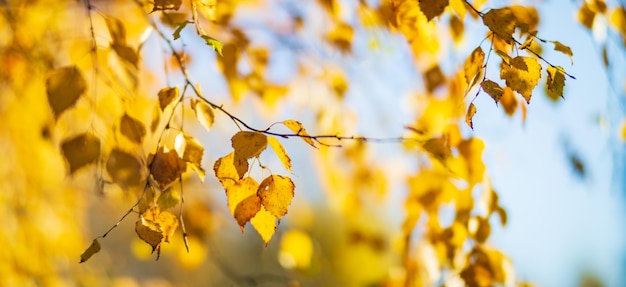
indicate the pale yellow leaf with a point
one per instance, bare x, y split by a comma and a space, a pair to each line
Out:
265, 224
191, 151
204, 113
280, 151
276, 193
299, 130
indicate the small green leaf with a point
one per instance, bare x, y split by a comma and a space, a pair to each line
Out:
213, 43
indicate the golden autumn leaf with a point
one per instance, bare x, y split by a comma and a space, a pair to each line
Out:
508, 101
492, 89
471, 150
64, 86
156, 226
167, 96
471, 111
124, 168
116, 30
617, 19
564, 49
132, 129
90, 251
438, 148
522, 75
248, 144
246, 210
280, 151
585, 15
265, 224
204, 113
166, 167
276, 193
240, 192
191, 151
229, 170
168, 199
555, 83
434, 78
433, 8
527, 18
341, 37
473, 66
81, 150
126, 53
299, 130
161, 5
501, 22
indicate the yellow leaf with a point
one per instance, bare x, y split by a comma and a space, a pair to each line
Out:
564, 49
166, 167
618, 19
297, 128
246, 210
64, 86
248, 144
473, 66
526, 17
341, 37
161, 5
167, 95
508, 101
522, 75
81, 150
555, 83
471, 150
116, 30
265, 224
91, 250
296, 250
585, 15
438, 148
191, 151
280, 151
156, 226
238, 192
132, 129
124, 168
228, 170
434, 78
471, 110
126, 53
433, 8
502, 22
168, 199
493, 89
204, 113
276, 193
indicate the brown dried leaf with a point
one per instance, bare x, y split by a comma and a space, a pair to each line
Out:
280, 151
433, 8
434, 78
167, 96
90, 251
124, 168
116, 30
64, 86
81, 150
162, 5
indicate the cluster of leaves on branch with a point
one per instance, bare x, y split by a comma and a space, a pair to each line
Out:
450, 169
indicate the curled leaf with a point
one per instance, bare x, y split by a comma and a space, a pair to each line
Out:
564, 49
493, 89
471, 110
299, 130
204, 113
166, 167
265, 224
280, 151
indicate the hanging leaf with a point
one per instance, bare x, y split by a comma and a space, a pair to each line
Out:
433, 8
156, 226
265, 224
191, 151
564, 49
179, 29
166, 167
64, 86
492, 89
243, 201
124, 168
473, 66
299, 130
81, 150
246, 210
204, 113
116, 30
91, 250
167, 96
213, 43
276, 193
522, 75
502, 22
434, 78
280, 151
168, 199
248, 144
471, 111
132, 129
508, 101
228, 171
162, 5
555, 83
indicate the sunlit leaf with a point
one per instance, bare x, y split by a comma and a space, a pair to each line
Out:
228, 170
167, 96
299, 130
473, 66
124, 168
564, 49
456, 28
179, 29
471, 150
276, 193
64, 86
90, 251
585, 15
433, 8
437, 147
508, 101
126, 53
166, 167
502, 22
213, 43
191, 151
492, 89
617, 19
522, 75
341, 37
161, 5
280, 151
555, 83
240, 192
81, 150
156, 226
526, 43
434, 78
168, 199
471, 111
246, 210
265, 224
248, 144
132, 129
204, 113
116, 30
